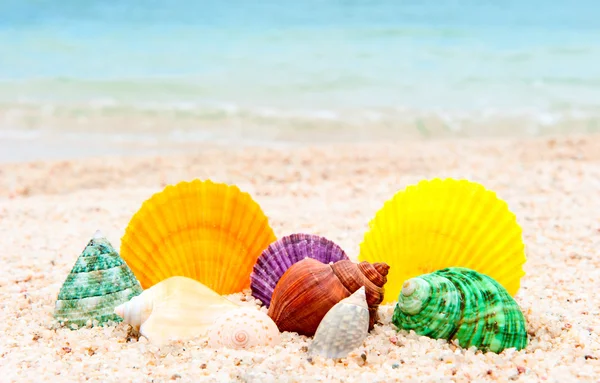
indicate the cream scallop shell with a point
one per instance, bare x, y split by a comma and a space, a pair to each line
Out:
177, 308
243, 328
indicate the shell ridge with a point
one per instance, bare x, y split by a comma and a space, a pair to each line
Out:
303, 249
488, 233
471, 325
352, 279
186, 215
149, 266
131, 238
173, 218
160, 219
228, 200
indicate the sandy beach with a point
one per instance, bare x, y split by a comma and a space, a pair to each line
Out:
50, 209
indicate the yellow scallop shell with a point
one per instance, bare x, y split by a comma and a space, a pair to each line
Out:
442, 223
207, 231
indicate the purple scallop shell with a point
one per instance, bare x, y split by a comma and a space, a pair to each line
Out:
283, 253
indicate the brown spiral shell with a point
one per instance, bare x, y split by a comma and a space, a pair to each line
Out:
309, 289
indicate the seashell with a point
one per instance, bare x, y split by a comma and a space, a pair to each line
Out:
98, 282
177, 308
243, 328
445, 223
309, 289
343, 328
209, 232
282, 254
462, 304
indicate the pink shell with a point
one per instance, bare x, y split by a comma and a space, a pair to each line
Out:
243, 328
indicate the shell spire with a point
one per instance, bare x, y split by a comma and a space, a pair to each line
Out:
343, 328
461, 304
98, 282
372, 276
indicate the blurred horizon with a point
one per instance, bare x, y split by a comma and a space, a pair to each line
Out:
280, 70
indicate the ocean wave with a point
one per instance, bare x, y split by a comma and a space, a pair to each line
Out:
152, 124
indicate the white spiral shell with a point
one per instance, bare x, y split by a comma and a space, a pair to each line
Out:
344, 327
177, 308
243, 328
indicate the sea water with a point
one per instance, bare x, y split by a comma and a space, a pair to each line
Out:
285, 70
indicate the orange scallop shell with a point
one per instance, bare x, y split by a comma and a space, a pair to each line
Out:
207, 231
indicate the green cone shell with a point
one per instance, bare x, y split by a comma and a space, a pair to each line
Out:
461, 304
98, 282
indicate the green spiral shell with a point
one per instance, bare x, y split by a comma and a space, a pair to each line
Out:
462, 304
98, 282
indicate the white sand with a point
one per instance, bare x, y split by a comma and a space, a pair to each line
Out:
49, 210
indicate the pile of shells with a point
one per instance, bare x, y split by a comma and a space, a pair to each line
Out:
193, 243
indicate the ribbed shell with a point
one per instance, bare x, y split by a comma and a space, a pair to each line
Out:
445, 223
460, 303
283, 253
343, 328
98, 282
206, 231
243, 328
309, 289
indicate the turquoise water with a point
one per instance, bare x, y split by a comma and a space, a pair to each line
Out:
220, 63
